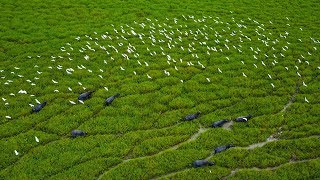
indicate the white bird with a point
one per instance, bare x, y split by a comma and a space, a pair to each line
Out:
36, 138
69, 88
54, 81
80, 101
8, 117
37, 101
121, 68
286, 68
181, 80
56, 90
208, 79
272, 85
304, 84
72, 102
299, 74
106, 88
31, 105
305, 98
135, 73
269, 76
16, 152
4, 99
11, 94
244, 74
149, 76
219, 70
255, 65
22, 92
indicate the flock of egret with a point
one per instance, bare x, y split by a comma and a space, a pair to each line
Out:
179, 43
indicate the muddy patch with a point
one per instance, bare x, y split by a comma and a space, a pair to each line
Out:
228, 125
256, 145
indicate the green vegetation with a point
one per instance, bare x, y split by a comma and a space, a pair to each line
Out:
167, 59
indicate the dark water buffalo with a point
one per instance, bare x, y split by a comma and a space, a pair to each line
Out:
38, 107
109, 100
200, 163
191, 116
222, 148
85, 96
219, 123
76, 133
243, 118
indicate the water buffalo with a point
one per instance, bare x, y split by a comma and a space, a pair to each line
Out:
109, 100
76, 133
85, 96
222, 148
243, 118
200, 163
38, 107
219, 123
191, 116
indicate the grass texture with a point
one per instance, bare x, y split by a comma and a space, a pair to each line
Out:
167, 59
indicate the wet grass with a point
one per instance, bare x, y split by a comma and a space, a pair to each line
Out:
223, 58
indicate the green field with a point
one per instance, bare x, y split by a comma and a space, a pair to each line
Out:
167, 59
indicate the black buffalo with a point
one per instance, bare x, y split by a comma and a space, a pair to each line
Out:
219, 123
243, 118
200, 163
39, 107
192, 116
76, 133
109, 100
85, 96
222, 148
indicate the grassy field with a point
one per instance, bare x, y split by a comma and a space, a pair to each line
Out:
167, 59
